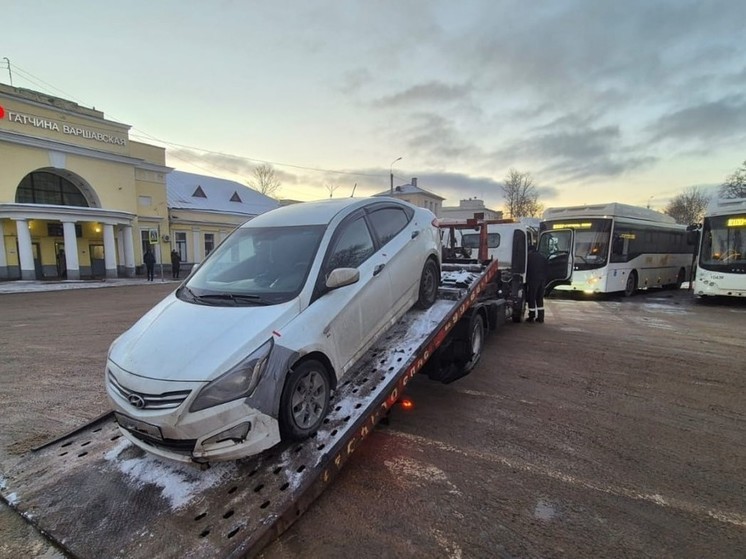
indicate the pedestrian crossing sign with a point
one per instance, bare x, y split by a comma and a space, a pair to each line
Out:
153, 236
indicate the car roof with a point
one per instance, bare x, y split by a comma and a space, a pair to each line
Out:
320, 212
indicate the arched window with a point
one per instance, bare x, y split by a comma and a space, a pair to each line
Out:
41, 187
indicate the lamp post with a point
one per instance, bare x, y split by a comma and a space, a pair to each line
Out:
391, 173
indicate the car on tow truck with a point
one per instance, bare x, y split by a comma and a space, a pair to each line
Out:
248, 350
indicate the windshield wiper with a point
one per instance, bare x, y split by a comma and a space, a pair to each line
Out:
235, 298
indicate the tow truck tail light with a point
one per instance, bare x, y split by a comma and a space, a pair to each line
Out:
407, 404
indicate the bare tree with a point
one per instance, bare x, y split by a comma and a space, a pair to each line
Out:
331, 187
521, 197
689, 206
264, 179
735, 185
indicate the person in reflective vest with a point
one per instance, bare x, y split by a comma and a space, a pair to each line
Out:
537, 272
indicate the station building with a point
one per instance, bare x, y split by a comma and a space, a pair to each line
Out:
80, 199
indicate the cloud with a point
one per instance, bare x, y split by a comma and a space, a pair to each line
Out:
430, 92
221, 164
722, 120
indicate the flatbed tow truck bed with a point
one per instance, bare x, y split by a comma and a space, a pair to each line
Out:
96, 495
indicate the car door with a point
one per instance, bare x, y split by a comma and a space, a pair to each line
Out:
398, 232
354, 313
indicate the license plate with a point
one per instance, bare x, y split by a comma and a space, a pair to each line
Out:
138, 426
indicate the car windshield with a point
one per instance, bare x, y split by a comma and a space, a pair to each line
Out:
255, 266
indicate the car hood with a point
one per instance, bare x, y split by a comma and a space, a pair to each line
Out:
183, 341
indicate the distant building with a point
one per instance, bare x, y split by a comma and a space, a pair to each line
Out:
203, 210
80, 199
417, 196
467, 208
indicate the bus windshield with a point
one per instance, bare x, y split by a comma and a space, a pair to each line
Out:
724, 243
591, 240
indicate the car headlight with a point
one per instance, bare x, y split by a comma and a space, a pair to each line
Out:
237, 383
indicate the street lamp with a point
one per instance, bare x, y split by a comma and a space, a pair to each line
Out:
391, 173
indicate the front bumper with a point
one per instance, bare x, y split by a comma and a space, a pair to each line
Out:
225, 432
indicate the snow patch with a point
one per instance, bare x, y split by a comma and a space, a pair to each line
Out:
179, 483
13, 499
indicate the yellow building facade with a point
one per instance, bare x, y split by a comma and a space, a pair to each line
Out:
78, 198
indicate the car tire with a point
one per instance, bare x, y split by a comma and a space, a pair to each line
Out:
475, 342
429, 281
631, 285
305, 400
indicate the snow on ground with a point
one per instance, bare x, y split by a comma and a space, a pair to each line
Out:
21, 286
179, 483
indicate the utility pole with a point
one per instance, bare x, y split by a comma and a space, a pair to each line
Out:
391, 174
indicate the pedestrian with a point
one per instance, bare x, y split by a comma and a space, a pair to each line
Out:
537, 272
175, 264
149, 260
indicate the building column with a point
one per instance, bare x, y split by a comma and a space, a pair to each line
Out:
129, 253
71, 250
25, 254
195, 241
110, 251
3, 256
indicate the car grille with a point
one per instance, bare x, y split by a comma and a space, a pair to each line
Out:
164, 401
179, 446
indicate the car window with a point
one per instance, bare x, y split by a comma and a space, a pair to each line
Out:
387, 222
353, 246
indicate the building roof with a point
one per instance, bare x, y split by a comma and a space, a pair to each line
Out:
409, 189
189, 191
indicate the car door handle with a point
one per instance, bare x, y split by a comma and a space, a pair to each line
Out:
415, 234
377, 270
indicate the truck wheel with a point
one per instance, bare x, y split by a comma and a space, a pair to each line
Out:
519, 307
631, 285
428, 285
680, 279
305, 400
475, 342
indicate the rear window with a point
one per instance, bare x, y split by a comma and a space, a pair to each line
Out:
471, 240
388, 222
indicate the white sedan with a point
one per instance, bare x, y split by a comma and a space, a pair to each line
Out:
249, 348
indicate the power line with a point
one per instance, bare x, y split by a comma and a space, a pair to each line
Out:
31, 78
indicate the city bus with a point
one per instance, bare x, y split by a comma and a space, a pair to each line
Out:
721, 265
615, 248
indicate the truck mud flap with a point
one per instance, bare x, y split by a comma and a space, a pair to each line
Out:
95, 495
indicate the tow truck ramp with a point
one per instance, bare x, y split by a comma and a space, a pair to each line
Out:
96, 495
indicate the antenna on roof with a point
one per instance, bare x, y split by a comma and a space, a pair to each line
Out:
10, 74
353, 191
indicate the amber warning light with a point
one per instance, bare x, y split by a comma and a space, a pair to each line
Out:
406, 403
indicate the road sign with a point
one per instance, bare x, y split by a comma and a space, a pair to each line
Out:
153, 236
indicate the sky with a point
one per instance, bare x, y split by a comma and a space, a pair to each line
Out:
598, 100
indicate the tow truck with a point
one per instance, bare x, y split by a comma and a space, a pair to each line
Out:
94, 494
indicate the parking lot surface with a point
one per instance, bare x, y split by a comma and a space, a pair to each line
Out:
615, 429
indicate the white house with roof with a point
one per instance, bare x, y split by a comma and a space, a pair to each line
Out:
203, 210
467, 208
415, 195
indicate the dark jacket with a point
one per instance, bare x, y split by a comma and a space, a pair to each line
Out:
175, 258
149, 258
537, 269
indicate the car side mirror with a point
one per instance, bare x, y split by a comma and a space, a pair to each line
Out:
339, 277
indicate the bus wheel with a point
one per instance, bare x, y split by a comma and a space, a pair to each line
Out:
631, 286
680, 279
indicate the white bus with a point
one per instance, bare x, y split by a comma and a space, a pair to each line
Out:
721, 265
615, 247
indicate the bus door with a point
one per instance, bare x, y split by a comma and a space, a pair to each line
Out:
557, 247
